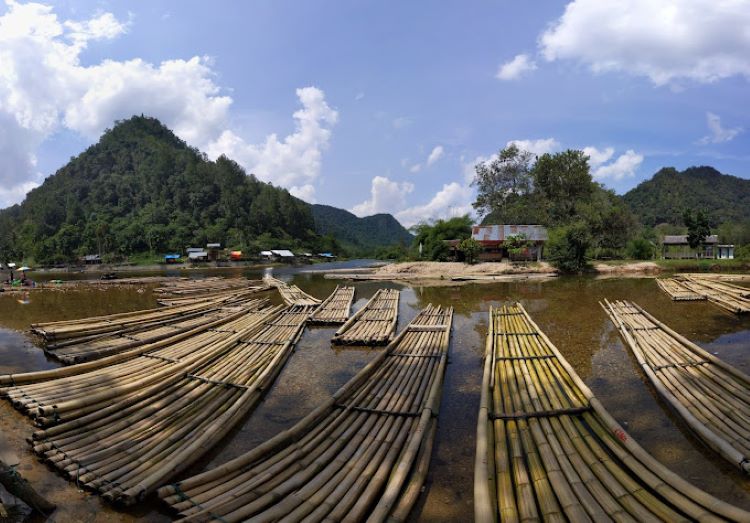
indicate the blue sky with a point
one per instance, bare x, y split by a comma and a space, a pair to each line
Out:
381, 106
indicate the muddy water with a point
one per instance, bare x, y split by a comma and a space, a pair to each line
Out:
566, 309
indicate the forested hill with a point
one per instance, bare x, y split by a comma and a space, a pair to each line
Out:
663, 198
356, 233
142, 189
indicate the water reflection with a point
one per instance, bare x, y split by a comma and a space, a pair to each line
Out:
566, 309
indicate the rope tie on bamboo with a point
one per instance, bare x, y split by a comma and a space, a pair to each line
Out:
681, 364
163, 358
643, 328
517, 334
403, 413
216, 382
252, 342
572, 411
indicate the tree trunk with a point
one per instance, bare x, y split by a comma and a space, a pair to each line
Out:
20, 488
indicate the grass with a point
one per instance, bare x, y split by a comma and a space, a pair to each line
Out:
688, 265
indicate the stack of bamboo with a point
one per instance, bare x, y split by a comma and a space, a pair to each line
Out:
126, 429
291, 294
724, 294
677, 291
363, 454
184, 287
335, 308
229, 295
711, 396
373, 324
547, 448
91, 338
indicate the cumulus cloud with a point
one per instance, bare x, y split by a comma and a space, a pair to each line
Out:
294, 161
537, 147
516, 68
663, 40
597, 157
623, 167
453, 199
44, 88
718, 133
385, 196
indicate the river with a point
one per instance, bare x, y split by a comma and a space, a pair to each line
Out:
566, 309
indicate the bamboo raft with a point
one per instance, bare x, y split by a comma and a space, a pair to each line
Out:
182, 287
291, 294
373, 324
82, 340
677, 291
334, 309
712, 397
126, 429
548, 449
726, 295
364, 454
211, 295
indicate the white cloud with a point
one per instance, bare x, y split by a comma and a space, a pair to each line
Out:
537, 147
452, 200
44, 88
415, 168
401, 122
359, 96
294, 161
435, 155
718, 133
597, 157
664, 40
624, 167
516, 68
385, 196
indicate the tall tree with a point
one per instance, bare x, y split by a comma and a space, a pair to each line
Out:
697, 226
505, 187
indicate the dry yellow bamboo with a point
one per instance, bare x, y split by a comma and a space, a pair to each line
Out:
334, 309
125, 429
362, 454
726, 295
547, 448
712, 397
373, 324
291, 294
677, 291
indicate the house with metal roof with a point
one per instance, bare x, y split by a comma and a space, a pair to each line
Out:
497, 241
677, 247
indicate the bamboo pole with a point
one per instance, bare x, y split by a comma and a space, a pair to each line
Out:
334, 309
373, 324
558, 454
362, 454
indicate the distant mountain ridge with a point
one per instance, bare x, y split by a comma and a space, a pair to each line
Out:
664, 197
366, 233
141, 189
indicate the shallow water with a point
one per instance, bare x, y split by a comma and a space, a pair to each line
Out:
566, 309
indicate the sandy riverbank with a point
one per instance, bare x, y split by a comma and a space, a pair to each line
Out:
452, 272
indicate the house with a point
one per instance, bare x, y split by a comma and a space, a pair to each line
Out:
266, 255
278, 255
235, 255
326, 256
213, 250
172, 258
494, 240
196, 254
92, 259
677, 247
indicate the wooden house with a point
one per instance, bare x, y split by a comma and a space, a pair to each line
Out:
677, 247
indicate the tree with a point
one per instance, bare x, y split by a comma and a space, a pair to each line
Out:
697, 226
517, 244
567, 245
470, 247
564, 181
432, 236
505, 187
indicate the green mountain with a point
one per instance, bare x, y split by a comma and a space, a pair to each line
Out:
359, 234
141, 189
663, 198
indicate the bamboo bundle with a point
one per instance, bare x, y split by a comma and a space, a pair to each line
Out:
711, 396
232, 294
677, 291
719, 276
373, 324
731, 297
291, 294
335, 308
126, 432
547, 448
362, 454
201, 286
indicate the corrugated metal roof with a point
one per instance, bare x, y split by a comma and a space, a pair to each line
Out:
283, 253
681, 239
266, 253
498, 233
197, 254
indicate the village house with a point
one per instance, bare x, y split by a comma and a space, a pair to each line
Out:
494, 240
677, 247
